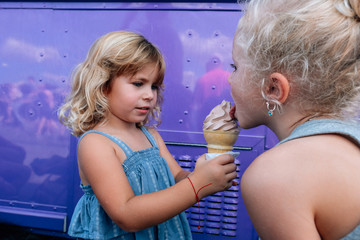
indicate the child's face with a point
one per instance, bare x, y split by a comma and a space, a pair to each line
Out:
132, 98
247, 97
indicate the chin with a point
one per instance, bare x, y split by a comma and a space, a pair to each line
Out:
247, 125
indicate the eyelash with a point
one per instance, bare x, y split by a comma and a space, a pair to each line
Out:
139, 84
233, 66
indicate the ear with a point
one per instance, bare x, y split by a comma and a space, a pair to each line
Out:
278, 87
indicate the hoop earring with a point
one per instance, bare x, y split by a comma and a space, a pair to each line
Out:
270, 110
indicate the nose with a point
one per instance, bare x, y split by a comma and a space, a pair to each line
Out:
149, 94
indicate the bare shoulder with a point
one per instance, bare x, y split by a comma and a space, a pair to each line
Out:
305, 156
93, 142
94, 151
156, 136
274, 191
297, 184
153, 132
276, 175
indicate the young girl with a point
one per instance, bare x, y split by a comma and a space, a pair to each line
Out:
127, 174
302, 58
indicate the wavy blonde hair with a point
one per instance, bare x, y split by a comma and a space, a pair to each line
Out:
116, 53
315, 43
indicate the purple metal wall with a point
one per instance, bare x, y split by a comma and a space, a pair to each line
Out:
40, 43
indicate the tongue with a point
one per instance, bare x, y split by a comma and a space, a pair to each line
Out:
232, 112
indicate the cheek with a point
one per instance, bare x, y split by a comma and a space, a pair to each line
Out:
155, 98
235, 87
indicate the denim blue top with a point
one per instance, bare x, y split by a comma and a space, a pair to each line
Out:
147, 172
324, 126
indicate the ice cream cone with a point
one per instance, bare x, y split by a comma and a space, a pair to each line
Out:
219, 141
220, 129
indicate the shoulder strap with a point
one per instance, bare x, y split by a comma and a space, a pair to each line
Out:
120, 143
149, 136
324, 126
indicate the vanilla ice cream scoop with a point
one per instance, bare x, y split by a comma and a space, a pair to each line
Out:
220, 130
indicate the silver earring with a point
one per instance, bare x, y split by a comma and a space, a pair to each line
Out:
270, 110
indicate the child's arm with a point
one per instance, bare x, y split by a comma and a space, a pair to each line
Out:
178, 173
100, 166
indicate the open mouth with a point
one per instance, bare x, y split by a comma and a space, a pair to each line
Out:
143, 110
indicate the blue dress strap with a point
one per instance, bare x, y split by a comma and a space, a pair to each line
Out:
149, 136
324, 126
120, 143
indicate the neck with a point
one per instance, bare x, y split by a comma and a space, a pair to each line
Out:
112, 126
283, 124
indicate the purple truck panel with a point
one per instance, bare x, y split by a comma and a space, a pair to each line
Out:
39, 47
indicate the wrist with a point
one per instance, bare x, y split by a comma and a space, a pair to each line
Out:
181, 175
196, 192
200, 188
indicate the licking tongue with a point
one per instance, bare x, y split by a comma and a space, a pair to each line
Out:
232, 112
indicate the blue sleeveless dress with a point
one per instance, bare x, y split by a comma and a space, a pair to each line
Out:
324, 126
147, 172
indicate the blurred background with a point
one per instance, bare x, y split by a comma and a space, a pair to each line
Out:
41, 43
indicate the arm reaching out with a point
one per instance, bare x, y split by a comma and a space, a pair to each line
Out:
98, 158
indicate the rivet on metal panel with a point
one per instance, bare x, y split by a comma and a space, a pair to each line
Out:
188, 60
216, 34
213, 87
186, 112
181, 121
66, 31
63, 80
40, 80
190, 34
156, 6
41, 54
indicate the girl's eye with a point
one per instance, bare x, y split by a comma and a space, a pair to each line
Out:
137, 84
154, 87
233, 66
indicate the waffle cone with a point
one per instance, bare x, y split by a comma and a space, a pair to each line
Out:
220, 141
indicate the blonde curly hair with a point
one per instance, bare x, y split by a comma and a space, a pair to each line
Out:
314, 43
116, 53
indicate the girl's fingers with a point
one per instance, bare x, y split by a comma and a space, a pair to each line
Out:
224, 159
231, 176
230, 167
